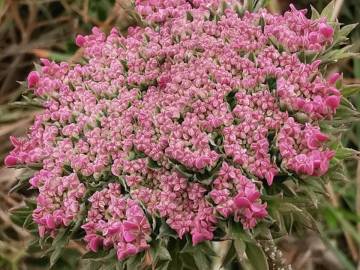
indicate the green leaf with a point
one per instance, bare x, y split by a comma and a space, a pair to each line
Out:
23, 181
182, 171
342, 152
159, 251
58, 245
99, 256
230, 255
22, 215
345, 114
332, 56
189, 16
256, 257
255, 5
240, 248
201, 261
69, 259
55, 256
236, 231
314, 13
134, 262
109, 266
152, 164
166, 231
188, 262
62, 238
207, 249
92, 265
112, 264
163, 265
351, 89
347, 29
261, 4
328, 11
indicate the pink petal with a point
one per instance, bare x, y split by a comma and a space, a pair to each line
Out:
321, 137
80, 40
333, 102
127, 226
129, 237
334, 77
33, 78
241, 202
50, 223
10, 161
95, 243
253, 196
326, 30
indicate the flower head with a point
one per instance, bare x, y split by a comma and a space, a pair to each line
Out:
190, 113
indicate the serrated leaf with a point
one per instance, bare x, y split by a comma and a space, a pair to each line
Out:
256, 257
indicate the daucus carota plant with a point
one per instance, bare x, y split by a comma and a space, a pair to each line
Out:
188, 129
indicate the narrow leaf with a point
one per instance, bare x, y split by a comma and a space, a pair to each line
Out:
328, 10
349, 90
256, 257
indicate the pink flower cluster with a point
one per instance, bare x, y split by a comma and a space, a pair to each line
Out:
301, 148
58, 202
188, 112
115, 221
245, 205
